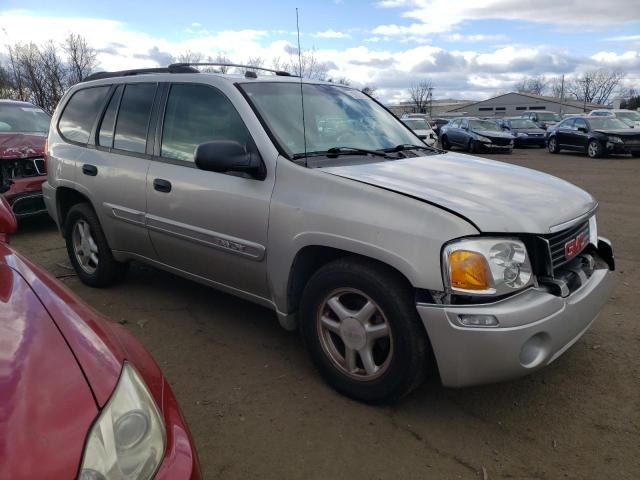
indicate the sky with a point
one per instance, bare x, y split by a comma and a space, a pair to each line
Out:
468, 49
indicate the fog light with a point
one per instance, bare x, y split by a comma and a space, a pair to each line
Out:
478, 320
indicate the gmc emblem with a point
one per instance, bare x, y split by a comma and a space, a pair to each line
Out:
575, 246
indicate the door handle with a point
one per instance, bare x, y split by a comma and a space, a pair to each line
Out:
90, 170
161, 185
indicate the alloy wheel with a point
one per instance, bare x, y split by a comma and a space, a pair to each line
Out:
355, 334
85, 247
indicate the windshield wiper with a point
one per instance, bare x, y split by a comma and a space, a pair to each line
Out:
336, 151
407, 146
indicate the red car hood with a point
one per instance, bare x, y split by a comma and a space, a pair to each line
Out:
21, 145
46, 405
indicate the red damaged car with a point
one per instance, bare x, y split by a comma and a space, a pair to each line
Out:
79, 395
23, 132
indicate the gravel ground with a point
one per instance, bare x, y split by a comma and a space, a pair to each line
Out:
257, 408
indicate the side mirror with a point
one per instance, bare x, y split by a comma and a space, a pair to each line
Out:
8, 223
228, 156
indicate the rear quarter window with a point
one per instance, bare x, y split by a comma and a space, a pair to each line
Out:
80, 113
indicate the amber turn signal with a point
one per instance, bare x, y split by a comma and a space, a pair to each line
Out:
469, 271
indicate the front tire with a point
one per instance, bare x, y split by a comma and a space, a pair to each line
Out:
445, 143
361, 328
594, 149
88, 249
553, 145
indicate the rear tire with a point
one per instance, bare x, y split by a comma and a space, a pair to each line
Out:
594, 149
88, 249
472, 147
553, 145
635, 154
373, 357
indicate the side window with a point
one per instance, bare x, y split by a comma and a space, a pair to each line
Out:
454, 123
464, 123
580, 123
80, 112
567, 124
105, 136
197, 114
133, 117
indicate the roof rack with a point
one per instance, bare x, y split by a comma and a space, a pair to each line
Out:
280, 73
177, 68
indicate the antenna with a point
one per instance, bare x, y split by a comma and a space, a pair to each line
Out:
304, 126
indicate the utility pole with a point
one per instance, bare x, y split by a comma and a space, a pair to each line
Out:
430, 97
561, 95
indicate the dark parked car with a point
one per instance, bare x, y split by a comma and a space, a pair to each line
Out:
474, 135
526, 132
439, 122
80, 397
596, 136
23, 133
543, 120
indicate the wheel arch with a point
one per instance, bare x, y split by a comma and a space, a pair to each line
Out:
310, 258
66, 198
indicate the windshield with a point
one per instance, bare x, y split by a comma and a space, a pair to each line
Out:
19, 118
416, 123
484, 125
633, 116
523, 123
548, 116
333, 117
607, 123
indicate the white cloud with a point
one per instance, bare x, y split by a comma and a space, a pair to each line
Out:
442, 15
457, 37
332, 34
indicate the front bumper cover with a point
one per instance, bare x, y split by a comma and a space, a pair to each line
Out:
536, 327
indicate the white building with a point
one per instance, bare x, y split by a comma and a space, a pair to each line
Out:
515, 104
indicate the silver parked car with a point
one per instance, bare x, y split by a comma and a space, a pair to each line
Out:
392, 258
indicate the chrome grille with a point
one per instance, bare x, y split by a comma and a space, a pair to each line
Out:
558, 240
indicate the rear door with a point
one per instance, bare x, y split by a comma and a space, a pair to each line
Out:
117, 169
210, 225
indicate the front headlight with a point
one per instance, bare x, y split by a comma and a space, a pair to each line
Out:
128, 439
486, 266
480, 138
615, 140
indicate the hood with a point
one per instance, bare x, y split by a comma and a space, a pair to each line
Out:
492, 133
528, 131
627, 132
22, 145
495, 196
46, 406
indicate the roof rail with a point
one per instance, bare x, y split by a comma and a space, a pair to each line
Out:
280, 73
178, 68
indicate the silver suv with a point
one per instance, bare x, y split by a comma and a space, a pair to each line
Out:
392, 258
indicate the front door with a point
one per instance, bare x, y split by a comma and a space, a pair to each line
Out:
211, 225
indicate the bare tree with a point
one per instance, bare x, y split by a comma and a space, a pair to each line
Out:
340, 81
595, 86
189, 57
370, 90
221, 57
420, 94
255, 62
81, 58
536, 85
555, 87
306, 65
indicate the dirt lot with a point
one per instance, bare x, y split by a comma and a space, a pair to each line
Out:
257, 409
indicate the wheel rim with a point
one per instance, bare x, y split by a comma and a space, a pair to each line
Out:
552, 144
355, 334
85, 248
593, 149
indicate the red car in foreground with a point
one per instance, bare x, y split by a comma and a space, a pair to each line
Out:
23, 132
79, 395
